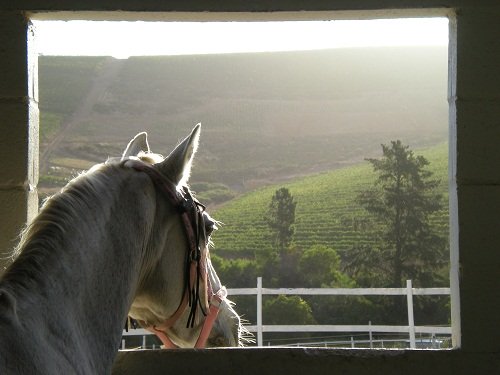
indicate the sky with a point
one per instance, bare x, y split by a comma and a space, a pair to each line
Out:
124, 39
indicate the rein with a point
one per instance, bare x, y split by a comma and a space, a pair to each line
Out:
191, 212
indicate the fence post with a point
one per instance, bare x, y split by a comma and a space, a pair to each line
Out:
370, 334
411, 320
259, 312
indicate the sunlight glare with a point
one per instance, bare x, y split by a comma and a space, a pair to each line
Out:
124, 39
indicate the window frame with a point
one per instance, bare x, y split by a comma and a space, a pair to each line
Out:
326, 15
412, 358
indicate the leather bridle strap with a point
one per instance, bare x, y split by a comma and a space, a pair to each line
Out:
215, 303
213, 312
193, 225
196, 259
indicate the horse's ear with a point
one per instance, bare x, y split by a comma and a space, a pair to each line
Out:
137, 144
177, 165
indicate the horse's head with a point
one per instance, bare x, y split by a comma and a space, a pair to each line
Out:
179, 293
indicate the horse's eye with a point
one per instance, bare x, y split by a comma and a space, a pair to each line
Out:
209, 224
209, 228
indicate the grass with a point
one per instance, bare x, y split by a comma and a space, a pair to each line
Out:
50, 123
261, 123
326, 211
64, 81
72, 163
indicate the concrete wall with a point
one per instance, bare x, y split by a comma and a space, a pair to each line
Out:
474, 98
18, 128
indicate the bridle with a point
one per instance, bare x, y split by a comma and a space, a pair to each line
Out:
191, 212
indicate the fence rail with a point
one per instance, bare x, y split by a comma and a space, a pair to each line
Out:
409, 292
411, 329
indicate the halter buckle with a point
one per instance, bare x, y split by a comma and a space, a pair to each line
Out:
195, 254
186, 204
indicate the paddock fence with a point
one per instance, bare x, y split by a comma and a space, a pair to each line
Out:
410, 330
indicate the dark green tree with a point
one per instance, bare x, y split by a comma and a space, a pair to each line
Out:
401, 202
287, 310
281, 218
319, 267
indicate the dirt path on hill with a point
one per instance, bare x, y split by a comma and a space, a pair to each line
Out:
100, 84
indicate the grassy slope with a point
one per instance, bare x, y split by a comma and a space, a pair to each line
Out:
265, 116
261, 111
64, 81
325, 214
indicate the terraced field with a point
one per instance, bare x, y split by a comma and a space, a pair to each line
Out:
326, 210
265, 116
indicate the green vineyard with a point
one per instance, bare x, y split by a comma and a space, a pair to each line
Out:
326, 213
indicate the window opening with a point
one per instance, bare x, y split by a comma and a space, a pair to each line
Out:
290, 107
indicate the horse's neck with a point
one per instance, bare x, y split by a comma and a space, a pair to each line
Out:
78, 301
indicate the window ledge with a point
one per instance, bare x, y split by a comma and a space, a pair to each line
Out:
308, 361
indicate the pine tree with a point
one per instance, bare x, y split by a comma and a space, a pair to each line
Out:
281, 218
402, 201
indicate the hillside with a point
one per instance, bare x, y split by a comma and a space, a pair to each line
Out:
266, 117
325, 214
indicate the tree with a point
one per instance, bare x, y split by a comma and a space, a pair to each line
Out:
402, 201
319, 267
287, 310
281, 218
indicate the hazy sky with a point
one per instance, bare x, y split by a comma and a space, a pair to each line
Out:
124, 39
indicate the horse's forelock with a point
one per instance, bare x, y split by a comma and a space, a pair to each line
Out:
150, 157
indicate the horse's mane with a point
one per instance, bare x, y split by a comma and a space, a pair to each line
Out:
58, 214
35, 251
104, 241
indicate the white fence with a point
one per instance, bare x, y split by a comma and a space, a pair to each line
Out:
411, 329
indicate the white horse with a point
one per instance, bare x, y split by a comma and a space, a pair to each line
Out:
122, 239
